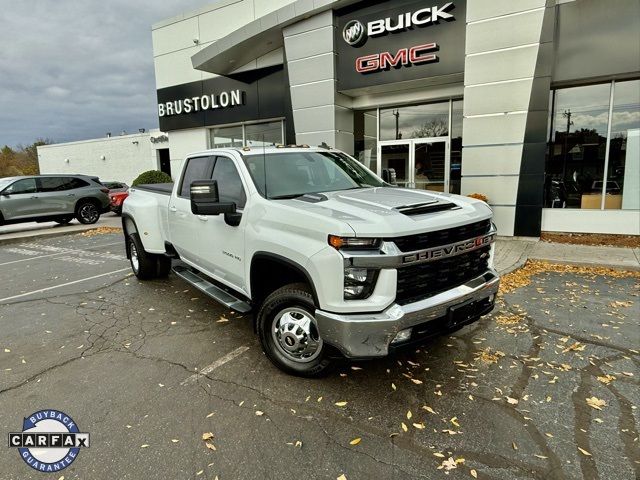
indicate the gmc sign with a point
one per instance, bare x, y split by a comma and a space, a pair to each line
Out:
404, 57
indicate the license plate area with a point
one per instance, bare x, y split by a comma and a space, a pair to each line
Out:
461, 313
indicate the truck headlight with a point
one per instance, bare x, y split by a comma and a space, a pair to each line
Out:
340, 243
359, 283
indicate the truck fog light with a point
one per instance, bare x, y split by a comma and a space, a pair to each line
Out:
353, 291
402, 336
359, 282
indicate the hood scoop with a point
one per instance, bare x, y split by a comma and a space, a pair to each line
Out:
426, 207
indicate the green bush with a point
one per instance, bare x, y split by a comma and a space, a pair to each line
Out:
152, 176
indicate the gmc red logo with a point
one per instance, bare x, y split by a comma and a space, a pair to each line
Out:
404, 56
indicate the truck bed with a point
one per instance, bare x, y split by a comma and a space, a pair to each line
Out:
162, 188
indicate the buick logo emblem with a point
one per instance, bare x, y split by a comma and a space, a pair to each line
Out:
354, 33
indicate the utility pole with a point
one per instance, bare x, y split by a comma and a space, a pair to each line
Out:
567, 114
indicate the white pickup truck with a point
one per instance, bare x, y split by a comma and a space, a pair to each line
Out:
334, 261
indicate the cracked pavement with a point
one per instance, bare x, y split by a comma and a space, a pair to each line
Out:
114, 353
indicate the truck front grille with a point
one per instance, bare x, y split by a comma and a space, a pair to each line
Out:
418, 282
421, 241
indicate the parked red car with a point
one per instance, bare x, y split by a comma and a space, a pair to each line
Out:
116, 199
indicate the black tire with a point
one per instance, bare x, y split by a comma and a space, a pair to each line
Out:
143, 264
64, 220
294, 300
87, 212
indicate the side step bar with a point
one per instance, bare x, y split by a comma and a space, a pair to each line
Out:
211, 290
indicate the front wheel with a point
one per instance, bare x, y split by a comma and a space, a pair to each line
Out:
288, 332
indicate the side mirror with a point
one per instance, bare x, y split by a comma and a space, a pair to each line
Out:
389, 176
205, 199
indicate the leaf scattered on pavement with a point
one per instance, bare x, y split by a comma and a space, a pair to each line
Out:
207, 436
596, 403
355, 441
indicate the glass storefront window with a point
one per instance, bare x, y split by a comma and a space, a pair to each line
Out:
252, 135
263, 134
623, 175
455, 176
416, 121
365, 137
576, 158
225, 137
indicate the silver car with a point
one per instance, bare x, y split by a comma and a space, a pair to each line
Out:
59, 198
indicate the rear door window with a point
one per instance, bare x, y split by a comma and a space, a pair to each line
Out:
51, 184
197, 168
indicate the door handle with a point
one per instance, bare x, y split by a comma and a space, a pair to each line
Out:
203, 218
71, 194
173, 209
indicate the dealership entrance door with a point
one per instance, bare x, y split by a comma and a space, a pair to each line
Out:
423, 163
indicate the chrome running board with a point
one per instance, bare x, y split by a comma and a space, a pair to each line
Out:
199, 281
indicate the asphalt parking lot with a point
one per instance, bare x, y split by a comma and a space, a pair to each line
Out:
148, 368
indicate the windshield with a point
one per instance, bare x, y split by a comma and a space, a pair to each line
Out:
292, 174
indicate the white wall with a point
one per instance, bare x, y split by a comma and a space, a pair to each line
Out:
173, 39
125, 157
621, 222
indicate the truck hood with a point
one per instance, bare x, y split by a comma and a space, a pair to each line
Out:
390, 211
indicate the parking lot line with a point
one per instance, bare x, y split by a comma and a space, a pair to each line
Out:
218, 363
40, 290
70, 250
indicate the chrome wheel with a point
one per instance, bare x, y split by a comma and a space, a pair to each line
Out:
89, 213
295, 334
135, 261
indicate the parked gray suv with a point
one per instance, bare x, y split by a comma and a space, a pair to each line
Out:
59, 198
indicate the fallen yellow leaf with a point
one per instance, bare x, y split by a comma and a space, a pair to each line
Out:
404, 427
438, 454
144, 446
259, 413
355, 441
341, 404
419, 426
584, 452
409, 415
207, 436
342, 477
473, 473
210, 446
454, 420
596, 403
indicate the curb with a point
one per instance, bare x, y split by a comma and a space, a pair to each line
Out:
575, 263
40, 236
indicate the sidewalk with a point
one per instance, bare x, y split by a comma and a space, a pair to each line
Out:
31, 231
512, 253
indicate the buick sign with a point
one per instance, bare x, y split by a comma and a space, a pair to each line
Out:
354, 33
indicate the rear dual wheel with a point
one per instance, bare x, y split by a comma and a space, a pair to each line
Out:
146, 265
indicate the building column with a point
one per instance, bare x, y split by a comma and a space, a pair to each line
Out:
508, 61
320, 114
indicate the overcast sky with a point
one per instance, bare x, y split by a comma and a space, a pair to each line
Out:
76, 69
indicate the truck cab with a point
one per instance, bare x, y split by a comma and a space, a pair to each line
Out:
332, 260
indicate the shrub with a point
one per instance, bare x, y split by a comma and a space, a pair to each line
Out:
479, 196
152, 176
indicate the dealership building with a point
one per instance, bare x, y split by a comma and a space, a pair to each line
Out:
533, 103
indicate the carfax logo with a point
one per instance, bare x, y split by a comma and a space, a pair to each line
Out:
50, 440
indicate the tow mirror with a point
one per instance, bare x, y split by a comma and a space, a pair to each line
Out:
205, 199
389, 176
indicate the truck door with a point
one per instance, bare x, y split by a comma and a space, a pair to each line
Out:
222, 246
183, 225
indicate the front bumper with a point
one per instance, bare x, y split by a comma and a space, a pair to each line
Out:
369, 335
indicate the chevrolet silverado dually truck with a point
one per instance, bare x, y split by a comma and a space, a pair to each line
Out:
333, 261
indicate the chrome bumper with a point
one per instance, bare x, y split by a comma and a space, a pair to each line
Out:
365, 335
